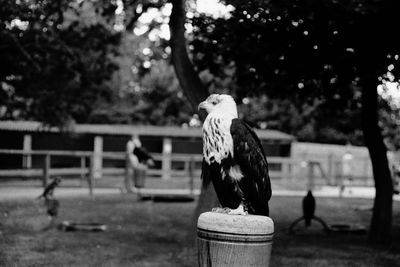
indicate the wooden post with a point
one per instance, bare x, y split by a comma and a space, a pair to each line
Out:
27, 147
285, 170
289, 163
46, 169
98, 156
83, 167
234, 240
186, 166
128, 174
365, 170
310, 181
166, 158
91, 174
330, 175
191, 174
338, 171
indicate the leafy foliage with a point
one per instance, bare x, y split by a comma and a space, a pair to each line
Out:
156, 99
290, 65
56, 60
301, 57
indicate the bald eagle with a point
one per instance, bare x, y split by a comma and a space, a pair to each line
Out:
234, 159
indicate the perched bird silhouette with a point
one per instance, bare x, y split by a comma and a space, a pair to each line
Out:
52, 204
234, 159
49, 189
308, 208
308, 214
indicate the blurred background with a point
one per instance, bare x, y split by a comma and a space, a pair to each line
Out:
80, 75
78, 79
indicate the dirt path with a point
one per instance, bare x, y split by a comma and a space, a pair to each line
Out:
19, 192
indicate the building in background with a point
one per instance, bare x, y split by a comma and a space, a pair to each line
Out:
101, 138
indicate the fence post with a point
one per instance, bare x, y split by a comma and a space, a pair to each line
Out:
83, 167
234, 240
330, 175
91, 173
166, 158
191, 174
46, 169
365, 170
289, 168
98, 157
285, 171
128, 176
310, 176
27, 147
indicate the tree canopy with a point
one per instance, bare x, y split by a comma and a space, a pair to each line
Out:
75, 61
56, 60
306, 52
290, 65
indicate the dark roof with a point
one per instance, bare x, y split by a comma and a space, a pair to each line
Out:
119, 129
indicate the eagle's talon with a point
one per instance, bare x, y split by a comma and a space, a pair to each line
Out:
238, 211
221, 210
218, 210
233, 212
227, 210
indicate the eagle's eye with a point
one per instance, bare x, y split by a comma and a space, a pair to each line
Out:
214, 101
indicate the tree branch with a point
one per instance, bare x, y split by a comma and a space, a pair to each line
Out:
188, 78
22, 50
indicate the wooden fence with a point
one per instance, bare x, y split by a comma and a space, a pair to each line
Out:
88, 156
281, 168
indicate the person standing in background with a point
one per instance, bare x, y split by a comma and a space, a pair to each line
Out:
138, 161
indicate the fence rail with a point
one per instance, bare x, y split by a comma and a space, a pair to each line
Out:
280, 167
185, 158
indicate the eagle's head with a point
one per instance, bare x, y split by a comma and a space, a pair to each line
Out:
220, 104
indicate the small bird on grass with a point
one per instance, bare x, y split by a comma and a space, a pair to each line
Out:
49, 189
52, 204
234, 159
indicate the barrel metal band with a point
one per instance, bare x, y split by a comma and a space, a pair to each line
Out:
234, 237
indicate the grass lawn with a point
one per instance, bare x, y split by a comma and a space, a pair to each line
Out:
155, 234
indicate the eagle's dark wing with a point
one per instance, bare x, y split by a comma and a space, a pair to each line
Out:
206, 174
250, 156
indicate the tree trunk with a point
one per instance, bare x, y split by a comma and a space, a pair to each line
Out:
192, 86
188, 78
381, 221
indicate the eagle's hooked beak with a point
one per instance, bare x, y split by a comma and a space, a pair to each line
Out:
202, 105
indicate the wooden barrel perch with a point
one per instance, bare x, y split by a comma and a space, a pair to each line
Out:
234, 240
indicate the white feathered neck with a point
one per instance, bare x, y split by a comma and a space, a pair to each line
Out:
217, 138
